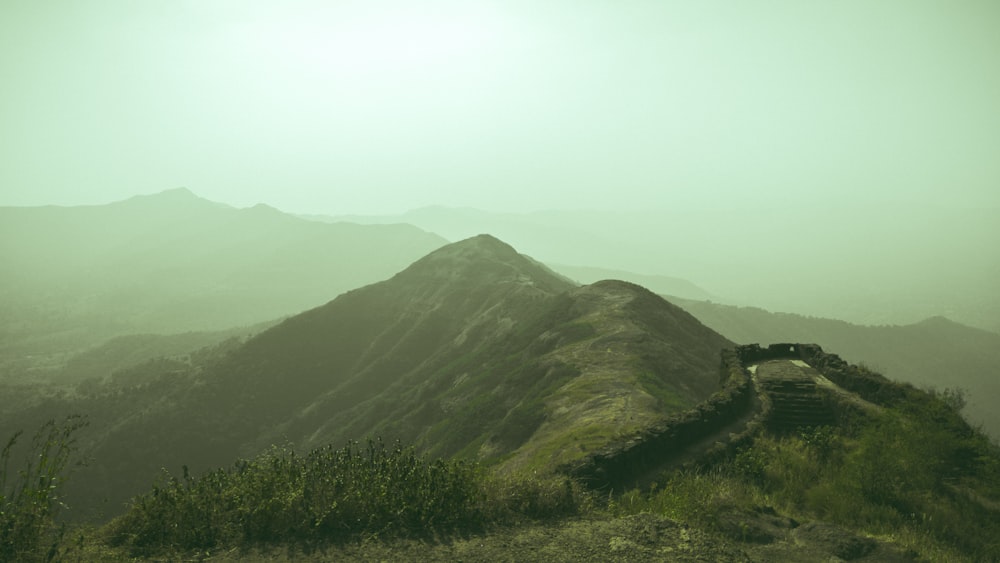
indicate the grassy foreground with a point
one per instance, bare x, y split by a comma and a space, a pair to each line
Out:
914, 477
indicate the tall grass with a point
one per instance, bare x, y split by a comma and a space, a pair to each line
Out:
914, 475
29, 495
329, 495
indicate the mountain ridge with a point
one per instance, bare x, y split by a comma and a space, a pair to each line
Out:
473, 351
897, 287
476, 352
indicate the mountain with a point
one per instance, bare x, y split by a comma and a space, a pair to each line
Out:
173, 262
892, 263
550, 236
559, 239
476, 349
476, 352
473, 351
936, 352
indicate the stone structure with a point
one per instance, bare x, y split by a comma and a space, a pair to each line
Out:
621, 466
796, 402
784, 401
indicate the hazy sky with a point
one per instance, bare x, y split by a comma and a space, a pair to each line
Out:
382, 106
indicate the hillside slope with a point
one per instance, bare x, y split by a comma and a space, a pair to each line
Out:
473, 351
478, 350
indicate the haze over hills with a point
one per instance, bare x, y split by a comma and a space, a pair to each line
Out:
834, 160
893, 263
174, 262
474, 350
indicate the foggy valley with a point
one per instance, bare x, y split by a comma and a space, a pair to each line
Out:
582, 282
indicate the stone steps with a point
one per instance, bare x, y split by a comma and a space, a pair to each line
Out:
795, 402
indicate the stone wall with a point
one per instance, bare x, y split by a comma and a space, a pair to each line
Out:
620, 466
753, 353
870, 386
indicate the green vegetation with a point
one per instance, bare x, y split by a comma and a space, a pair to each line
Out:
916, 475
468, 352
30, 495
666, 395
913, 475
330, 495
499, 374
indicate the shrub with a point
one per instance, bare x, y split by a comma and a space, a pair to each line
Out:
507, 499
329, 495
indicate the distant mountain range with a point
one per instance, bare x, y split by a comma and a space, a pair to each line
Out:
879, 264
74, 278
173, 262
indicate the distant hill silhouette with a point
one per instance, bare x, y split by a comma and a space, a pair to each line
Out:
174, 262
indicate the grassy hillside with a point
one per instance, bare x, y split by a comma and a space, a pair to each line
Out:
494, 372
473, 351
908, 480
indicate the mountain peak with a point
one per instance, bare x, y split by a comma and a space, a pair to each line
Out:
485, 258
475, 249
484, 243
265, 210
937, 322
172, 197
